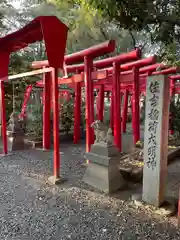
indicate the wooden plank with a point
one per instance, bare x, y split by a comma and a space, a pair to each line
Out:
26, 74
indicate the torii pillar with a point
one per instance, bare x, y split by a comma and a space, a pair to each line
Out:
135, 106
4, 59
46, 111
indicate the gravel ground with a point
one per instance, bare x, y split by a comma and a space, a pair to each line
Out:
31, 209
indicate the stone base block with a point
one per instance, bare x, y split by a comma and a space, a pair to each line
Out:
16, 143
105, 178
105, 150
55, 181
168, 208
5, 155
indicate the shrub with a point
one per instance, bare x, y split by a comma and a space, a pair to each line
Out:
174, 122
67, 116
34, 124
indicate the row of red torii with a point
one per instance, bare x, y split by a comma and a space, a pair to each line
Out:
103, 82
110, 74
131, 79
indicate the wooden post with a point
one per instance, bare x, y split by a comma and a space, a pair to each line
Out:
135, 106
125, 110
156, 140
116, 105
172, 93
77, 112
56, 178
89, 95
27, 95
3, 115
101, 103
112, 114
46, 111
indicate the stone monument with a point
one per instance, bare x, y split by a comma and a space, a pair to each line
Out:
15, 133
103, 170
156, 140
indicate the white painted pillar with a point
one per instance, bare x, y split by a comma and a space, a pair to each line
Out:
156, 140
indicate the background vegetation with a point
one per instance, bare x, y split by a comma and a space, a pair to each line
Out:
154, 26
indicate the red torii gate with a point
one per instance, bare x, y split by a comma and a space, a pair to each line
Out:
55, 42
72, 83
127, 85
87, 56
65, 94
134, 73
127, 79
113, 61
101, 63
135, 65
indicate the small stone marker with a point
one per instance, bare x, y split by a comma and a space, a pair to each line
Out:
156, 140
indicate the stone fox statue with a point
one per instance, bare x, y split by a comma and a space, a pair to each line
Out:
102, 132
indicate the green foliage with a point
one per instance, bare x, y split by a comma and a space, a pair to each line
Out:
143, 109
4, 6
87, 27
67, 115
34, 125
83, 113
171, 54
160, 17
14, 90
175, 112
130, 23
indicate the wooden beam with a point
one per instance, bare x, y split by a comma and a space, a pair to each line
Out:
27, 74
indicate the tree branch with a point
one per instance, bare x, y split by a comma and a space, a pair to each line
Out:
103, 33
174, 20
133, 39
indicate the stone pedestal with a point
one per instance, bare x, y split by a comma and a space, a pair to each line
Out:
15, 141
103, 170
55, 181
15, 133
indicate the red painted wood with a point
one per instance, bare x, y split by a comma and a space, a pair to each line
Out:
125, 110
88, 96
107, 62
47, 111
152, 68
3, 115
135, 107
77, 113
101, 103
26, 99
168, 71
56, 123
175, 77
116, 105
93, 52
112, 114
38, 29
